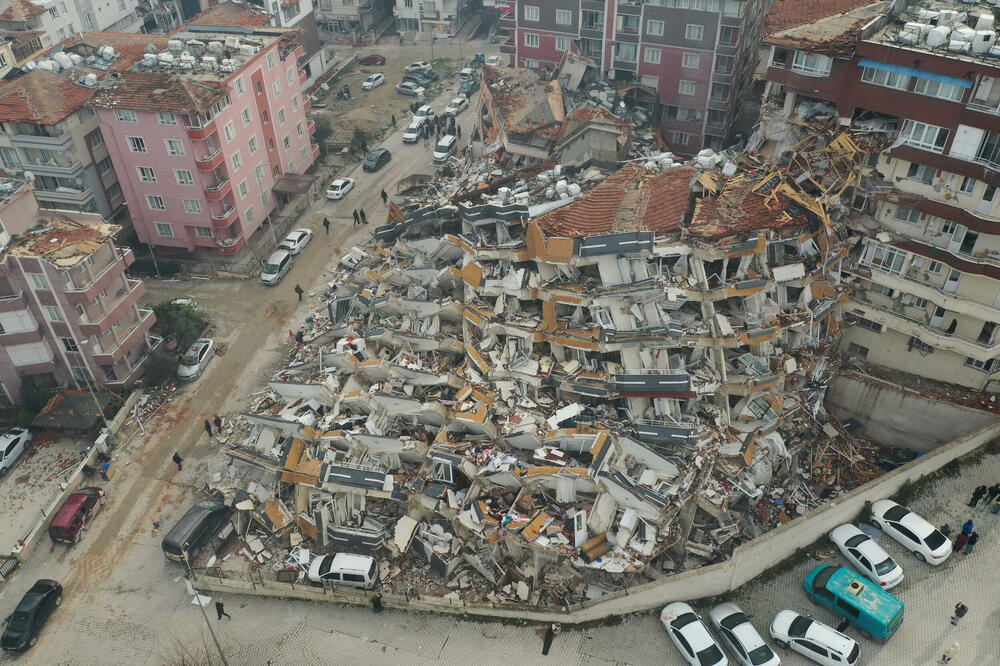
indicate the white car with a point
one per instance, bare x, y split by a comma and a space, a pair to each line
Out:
195, 359
412, 133
814, 640
339, 188
691, 636
424, 113
373, 82
493, 60
12, 446
734, 626
419, 66
866, 556
915, 534
456, 106
296, 240
409, 88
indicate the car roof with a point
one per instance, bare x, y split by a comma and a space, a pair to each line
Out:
825, 635
352, 562
340, 181
378, 151
277, 256
458, 100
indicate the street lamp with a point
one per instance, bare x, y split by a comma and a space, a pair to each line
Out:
198, 600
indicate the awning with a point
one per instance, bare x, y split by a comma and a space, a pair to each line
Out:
291, 183
909, 71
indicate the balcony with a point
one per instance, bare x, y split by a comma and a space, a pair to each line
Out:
66, 195
139, 328
13, 302
314, 147
303, 76
63, 165
128, 257
307, 103
125, 299
24, 336
230, 245
218, 190
211, 161
652, 383
59, 143
508, 47
200, 133
629, 7
87, 293
225, 218
310, 127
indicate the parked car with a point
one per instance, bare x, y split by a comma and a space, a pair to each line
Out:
916, 534
12, 446
373, 82
456, 106
275, 267
864, 604
195, 529
444, 148
373, 59
732, 624
75, 515
30, 615
412, 133
409, 88
418, 66
376, 160
343, 569
814, 640
195, 359
867, 556
493, 60
466, 74
339, 188
469, 87
418, 78
424, 113
691, 636
296, 240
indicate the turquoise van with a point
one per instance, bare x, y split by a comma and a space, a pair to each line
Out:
852, 596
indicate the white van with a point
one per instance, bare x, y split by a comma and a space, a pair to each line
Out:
445, 148
343, 569
275, 267
467, 74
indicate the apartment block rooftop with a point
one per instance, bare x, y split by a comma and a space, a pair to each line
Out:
965, 31
62, 238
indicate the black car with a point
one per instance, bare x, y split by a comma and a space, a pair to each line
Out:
376, 159
30, 615
469, 87
195, 530
419, 78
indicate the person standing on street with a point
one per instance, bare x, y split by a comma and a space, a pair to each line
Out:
960, 611
977, 495
458, 131
949, 654
220, 608
385, 198
208, 428
973, 540
178, 460
992, 493
377, 603
364, 218
968, 526
218, 423
393, 121
326, 224
357, 220
960, 542
298, 290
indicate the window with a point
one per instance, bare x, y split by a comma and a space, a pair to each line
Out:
908, 215
729, 35
229, 131
105, 165
869, 324
881, 77
593, 20
935, 267
175, 147
938, 89
146, 174
258, 87
687, 87
166, 118
137, 144
919, 303
238, 84
202, 232
857, 350
281, 116
39, 281
270, 60
155, 202
237, 160
290, 76
691, 60
564, 17
652, 56
258, 172
69, 344
252, 145
693, 32
164, 230
298, 128
720, 91
562, 43
626, 52
243, 188
276, 88
126, 116
921, 172
54, 12
531, 13
245, 115
183, 177
883, 257
191, 206
922, 135
95, 140
115, 192
968, 185
811, 63
53, 313
682, 138
264, 117
531, 40
286, 142
986, 366
10, 159
295, 100
250, 215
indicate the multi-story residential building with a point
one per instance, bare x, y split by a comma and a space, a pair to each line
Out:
69, 314
7, 58
202, 132
519, 113
57, 20
350, 18
928, 267
443, 18
692, 59
47, 128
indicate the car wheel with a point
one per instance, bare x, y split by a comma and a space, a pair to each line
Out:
780, 643
59, 600
874, 523
866, 634
33, 641
920, 556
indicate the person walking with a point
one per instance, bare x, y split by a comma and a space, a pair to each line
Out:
220, 608
393, 121
945, 530
178, 460
973, 540
550, 634
218, 423
357, 220
949, 654
385, 198
992, 493
977, 495
326, 225
960, 611
298, 290
458, 131
377, 603
208, 427
996, 506
364, 218
960, 542
968, 526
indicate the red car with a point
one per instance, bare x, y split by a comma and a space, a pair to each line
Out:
373, 59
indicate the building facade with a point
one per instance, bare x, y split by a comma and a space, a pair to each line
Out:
928, 265
200, 154
442, 18
57, 20
69, 313
693, 59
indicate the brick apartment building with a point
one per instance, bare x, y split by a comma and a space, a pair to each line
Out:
69, 314
689, 61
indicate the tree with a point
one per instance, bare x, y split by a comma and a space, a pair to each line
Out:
183, 322
359, 140
159, 368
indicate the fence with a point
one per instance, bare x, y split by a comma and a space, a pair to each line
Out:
748, 561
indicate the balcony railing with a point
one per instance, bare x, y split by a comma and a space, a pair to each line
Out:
222, 220
209, 162
934, 336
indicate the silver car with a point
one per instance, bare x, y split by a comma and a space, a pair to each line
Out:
195, 359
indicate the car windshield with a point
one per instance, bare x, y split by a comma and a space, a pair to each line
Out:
896, 513
853, 657
684, 620
885, 566
324, 566
855, 540
935, 540
799, 626
442, 147
761, 655
822, 578
191, 358
20, 622
733, 621
710, 655
270, 268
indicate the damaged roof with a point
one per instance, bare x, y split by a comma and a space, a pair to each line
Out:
789, 13
591, 113
60, 240
41, 98
832, 34
631, 199
21, 10
229, 14
525, 103
157, 91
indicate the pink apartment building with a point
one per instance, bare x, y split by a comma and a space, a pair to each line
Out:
201, 133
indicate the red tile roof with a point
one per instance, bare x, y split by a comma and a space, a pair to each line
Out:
131, 46
21, 10
585, 113
787, 13
157, 91
630, 199
229, 14
738, 209
41, 97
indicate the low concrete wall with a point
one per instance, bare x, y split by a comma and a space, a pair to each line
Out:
897, 416
748, 561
